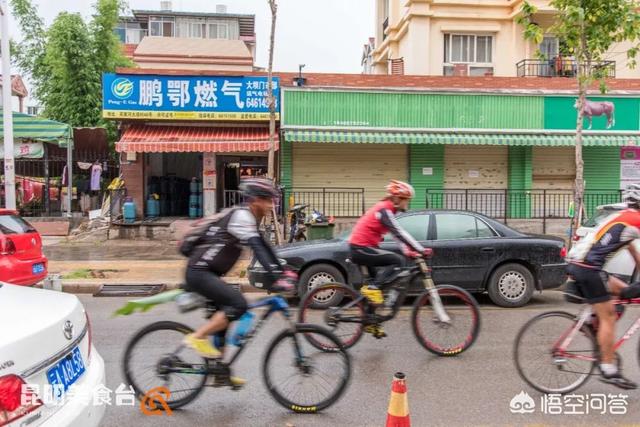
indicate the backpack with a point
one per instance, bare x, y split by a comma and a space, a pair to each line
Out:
192, 238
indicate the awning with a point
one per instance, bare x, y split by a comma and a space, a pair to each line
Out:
510, 139
30, 127
180, 139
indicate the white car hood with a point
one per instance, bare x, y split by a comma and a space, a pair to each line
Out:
32, 324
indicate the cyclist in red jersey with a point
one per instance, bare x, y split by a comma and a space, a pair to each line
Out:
586, 262
368, 233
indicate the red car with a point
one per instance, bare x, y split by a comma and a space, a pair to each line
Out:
21, 259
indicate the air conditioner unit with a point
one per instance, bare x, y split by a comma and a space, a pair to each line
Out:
165, 5
221, 8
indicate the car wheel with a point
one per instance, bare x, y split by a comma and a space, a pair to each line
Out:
511, 285
318, 275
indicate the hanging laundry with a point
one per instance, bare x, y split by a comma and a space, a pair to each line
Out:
96, 175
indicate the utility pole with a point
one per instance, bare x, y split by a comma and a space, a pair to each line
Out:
7, 109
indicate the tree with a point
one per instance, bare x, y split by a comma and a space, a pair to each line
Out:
65, 62
587, 30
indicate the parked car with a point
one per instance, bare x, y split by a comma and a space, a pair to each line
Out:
622, 264
46, 340
470, 250
21, 259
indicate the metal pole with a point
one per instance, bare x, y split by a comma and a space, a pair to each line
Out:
69, 174
47, 201
9, 164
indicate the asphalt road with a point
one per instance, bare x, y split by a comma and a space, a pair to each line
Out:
474, 388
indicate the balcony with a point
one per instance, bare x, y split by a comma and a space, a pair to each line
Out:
559, 67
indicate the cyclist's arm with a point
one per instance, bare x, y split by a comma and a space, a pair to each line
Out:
244, 227
389, 220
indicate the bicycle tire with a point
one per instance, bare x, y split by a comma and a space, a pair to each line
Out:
158, 326
472, 331
518, 352
302, 330
304, 316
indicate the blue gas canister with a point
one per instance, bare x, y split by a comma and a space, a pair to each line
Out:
242, 328
129, 210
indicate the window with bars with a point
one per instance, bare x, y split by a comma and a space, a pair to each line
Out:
472, 49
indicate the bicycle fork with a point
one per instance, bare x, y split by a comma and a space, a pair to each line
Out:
433, 293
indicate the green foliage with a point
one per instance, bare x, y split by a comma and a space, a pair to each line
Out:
66, 60
588, 29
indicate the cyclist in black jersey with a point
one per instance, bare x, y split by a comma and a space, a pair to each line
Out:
216, 252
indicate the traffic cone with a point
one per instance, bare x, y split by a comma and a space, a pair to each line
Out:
398, 413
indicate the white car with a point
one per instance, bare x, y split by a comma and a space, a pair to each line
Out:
622, 264
45, 340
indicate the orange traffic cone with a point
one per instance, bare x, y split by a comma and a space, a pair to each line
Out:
398, 413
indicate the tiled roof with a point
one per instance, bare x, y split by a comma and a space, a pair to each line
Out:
436, 83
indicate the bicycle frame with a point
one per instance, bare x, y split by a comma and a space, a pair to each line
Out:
563, 342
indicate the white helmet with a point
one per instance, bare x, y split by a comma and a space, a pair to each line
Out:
632, 194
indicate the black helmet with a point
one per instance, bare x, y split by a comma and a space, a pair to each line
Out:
257, 187
632, 194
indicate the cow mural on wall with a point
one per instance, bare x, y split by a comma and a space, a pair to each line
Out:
595, 109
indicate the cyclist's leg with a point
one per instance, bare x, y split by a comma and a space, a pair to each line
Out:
376, 257
616, 285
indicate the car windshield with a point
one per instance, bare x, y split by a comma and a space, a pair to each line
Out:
12, 224
598, 217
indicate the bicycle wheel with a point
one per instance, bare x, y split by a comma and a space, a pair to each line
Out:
454, 337
545, 367
301, 377
345, 320
156, 357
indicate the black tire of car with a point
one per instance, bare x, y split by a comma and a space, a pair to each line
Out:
494, 285
315, 270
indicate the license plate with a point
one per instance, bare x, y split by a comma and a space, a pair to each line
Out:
66, 372
37, 268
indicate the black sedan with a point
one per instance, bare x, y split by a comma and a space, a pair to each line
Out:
470, 250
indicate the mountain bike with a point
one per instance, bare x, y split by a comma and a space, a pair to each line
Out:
298, 376
445, 319
556, 352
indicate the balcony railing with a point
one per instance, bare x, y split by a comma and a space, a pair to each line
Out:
385, 25
561, 67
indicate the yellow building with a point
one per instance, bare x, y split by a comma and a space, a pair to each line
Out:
471, 38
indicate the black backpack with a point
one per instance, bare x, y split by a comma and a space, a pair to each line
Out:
193, 237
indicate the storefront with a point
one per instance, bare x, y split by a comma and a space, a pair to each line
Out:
505, 154
188, 141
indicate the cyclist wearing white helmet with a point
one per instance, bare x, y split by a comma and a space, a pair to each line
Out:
368, 233
586, 263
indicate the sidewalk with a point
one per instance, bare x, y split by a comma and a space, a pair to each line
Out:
87, 276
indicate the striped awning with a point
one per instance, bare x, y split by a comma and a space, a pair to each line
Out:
181, 139
541, 139
35, 128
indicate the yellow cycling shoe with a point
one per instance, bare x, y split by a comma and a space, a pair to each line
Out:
202, 346
235, 383
373, 294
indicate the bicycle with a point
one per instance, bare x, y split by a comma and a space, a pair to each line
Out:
453, 310
297, 228
565, 349
286, 364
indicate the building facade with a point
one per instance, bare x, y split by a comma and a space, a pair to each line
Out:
472, 38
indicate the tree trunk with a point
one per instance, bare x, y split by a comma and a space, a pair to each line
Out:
270, 97
579, 185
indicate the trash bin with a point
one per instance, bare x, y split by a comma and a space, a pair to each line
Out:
319, 231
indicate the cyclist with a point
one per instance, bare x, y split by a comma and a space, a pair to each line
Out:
215, 253
368, 233
586, 261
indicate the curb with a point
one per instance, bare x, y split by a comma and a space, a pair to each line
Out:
81, 287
